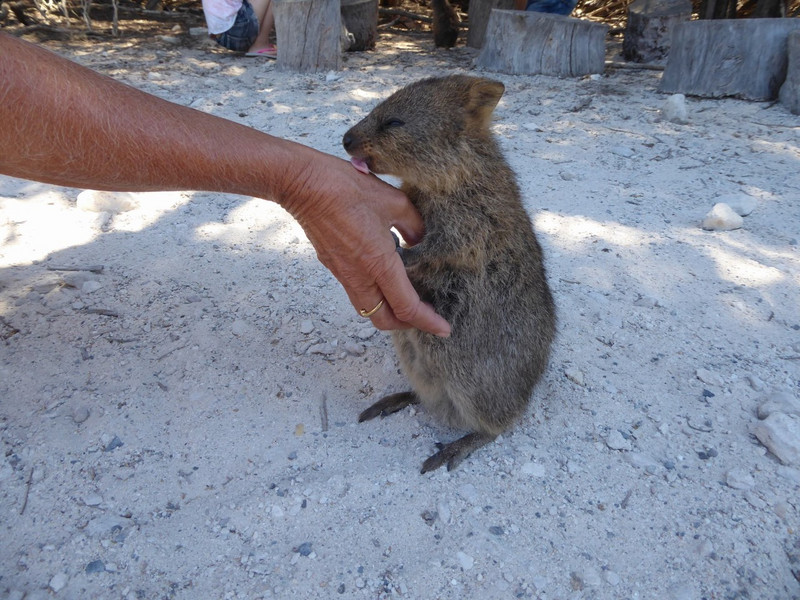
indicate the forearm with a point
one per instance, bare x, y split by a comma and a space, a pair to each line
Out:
66, 125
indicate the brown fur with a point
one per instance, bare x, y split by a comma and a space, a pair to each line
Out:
479, 263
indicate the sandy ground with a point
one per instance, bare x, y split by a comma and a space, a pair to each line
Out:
178, 415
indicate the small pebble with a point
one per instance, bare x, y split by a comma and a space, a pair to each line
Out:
110, 202
58, 582
354, 349
239, 328
366, 333
623, 151
709, 377
739, 479
674, 109
780, 433
96, 566
575, 376
468, 493
496, 530
80, 414
465, 560
533, 469
443, 508
722, 218
304, 549
306, 327
616, 441
93, 500
323, 349
112, 444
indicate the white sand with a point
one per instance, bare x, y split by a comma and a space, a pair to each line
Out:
630, 477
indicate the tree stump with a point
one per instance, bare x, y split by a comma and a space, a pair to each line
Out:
790, 90
308, 35
650, 23
529, 43
479, 13
361, 19
745, 58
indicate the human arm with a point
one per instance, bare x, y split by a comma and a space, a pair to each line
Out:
67, 125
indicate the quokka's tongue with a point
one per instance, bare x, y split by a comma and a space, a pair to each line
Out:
360, 164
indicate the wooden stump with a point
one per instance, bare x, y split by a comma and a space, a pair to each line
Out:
530, 43
361, 19
650, 23
307, 33
479, 13
790, 90
745, 58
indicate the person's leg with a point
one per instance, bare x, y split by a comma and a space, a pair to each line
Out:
266, 22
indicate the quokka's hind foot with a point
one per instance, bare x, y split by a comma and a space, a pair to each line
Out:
454, 452
388, 405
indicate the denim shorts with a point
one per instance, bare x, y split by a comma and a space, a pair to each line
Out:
243, 32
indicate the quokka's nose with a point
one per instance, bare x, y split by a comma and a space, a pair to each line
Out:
347, 140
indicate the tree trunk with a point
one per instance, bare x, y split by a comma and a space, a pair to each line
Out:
745, 58
527, 43
790, 90
649, 29
308, 35
479, 13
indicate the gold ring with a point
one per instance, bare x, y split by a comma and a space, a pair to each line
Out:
368, 313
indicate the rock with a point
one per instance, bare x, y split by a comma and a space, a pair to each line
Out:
366, 333
443, 509
755, 383
674, 109
198, 31
739, 479
465, 560
239, 328
96, 566
468, 493
575, 376
709, 377
304, 549
324, 349
306, 327
783, 402
80, 414
722, 218
110, 202
354, 349
58, 582
741, 204
616, 441
533, 469
93, 500
112, 444
780, 433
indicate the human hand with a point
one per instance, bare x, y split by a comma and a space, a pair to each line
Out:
347, 216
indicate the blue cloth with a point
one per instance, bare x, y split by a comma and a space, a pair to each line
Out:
243, 32
555, 7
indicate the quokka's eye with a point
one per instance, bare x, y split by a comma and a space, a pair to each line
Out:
393, 123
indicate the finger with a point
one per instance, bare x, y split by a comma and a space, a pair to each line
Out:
405, 302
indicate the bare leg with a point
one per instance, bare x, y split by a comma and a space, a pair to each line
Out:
388, 405
266, 22
454, 452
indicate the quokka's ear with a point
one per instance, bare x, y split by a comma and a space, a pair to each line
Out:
483, 96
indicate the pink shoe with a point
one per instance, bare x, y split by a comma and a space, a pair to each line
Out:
270, 51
